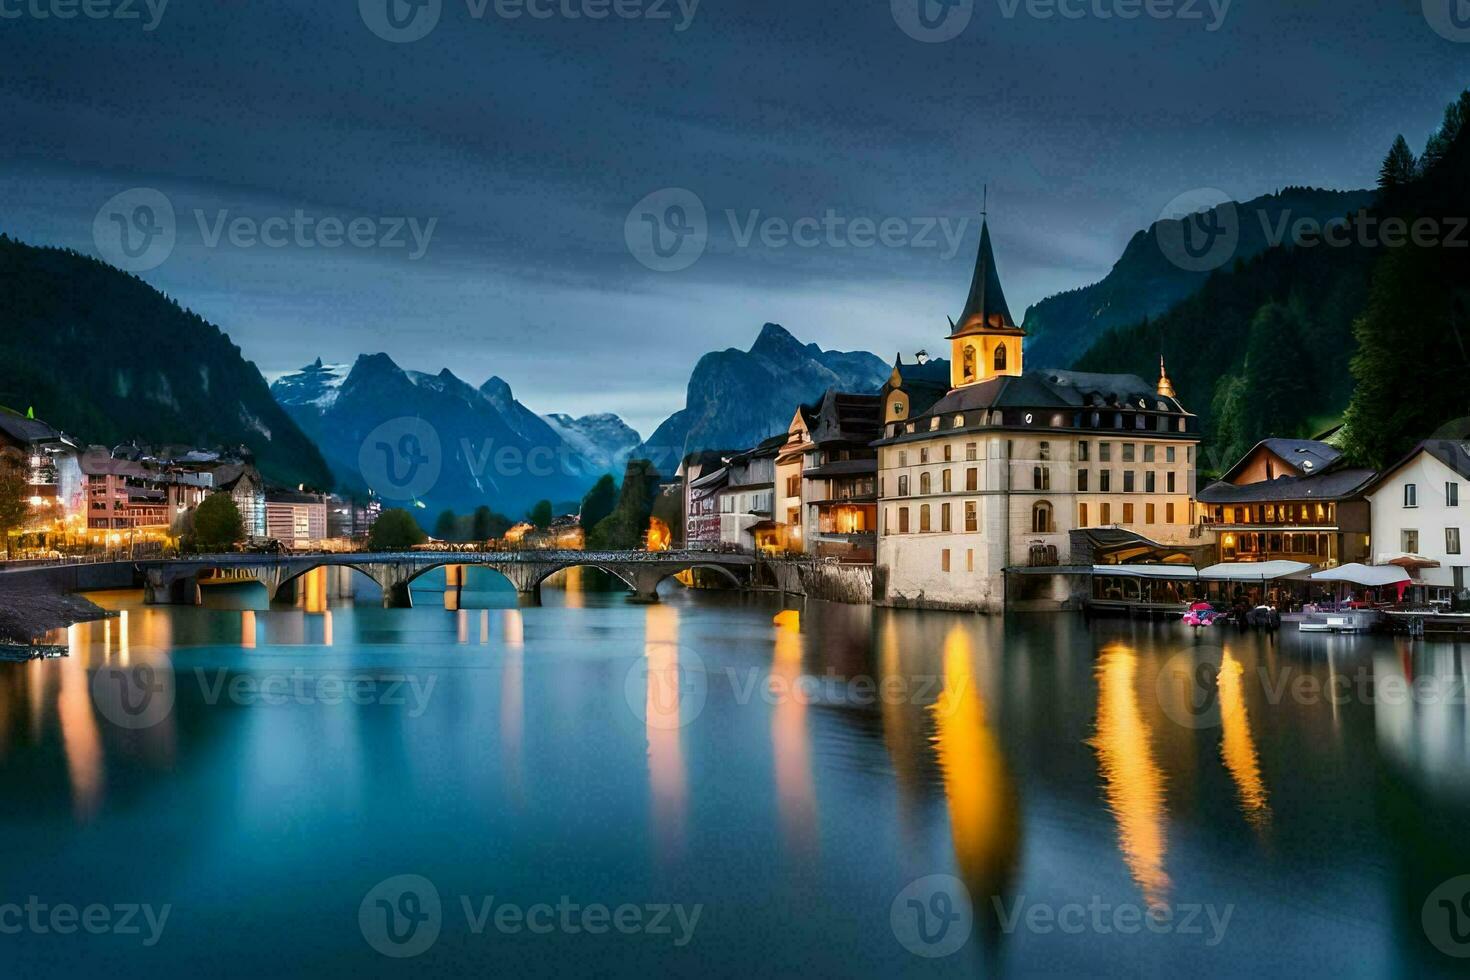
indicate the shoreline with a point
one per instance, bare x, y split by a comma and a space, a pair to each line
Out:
27, 615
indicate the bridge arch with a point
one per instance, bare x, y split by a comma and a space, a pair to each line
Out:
278, 587
542, 574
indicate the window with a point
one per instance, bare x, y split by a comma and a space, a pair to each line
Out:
1041, 519
972, 516
1000, 359
947, 480
1169, 481
1041, 478
1149, 453
1105, 452
1411, 495
903, 457
1128, 484
1127, 513
969, 363
1169, 455
1452, 541
948, 452
924, 455
972, 479
1082, 451
1150, 514
1410, 542
944, 521
1107, 514
1044, 452
1150, 482
1105, 481
970, 452
1130, 452
924, 519
903, 486
903, 520
1168, 513
944, 560
926, 485
793, 486
1081, 481
1081, 515
1452, 495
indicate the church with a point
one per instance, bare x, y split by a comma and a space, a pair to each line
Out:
999, 472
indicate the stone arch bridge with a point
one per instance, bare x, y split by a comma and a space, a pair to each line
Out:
176, 581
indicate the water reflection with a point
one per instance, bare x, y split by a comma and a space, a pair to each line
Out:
1133, 781
1237, 745
512, 701
79, 736
662, 727
984, 812
790, 740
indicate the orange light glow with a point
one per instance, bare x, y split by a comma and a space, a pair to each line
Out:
659, 536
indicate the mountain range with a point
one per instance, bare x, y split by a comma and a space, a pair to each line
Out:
493, 450
1145, 282
737, 398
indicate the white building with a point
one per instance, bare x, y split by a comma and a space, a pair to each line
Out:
1420, 510
998, 473
747, 501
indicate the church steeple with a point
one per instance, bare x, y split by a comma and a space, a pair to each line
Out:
1166, 387
986, 343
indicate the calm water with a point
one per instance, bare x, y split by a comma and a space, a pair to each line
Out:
534, 766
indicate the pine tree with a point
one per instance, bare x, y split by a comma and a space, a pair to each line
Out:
446, 528
600, 501
1399, 167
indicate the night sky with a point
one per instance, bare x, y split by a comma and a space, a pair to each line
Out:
528, 141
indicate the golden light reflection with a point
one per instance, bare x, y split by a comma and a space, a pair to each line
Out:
513, 627
666, 769
247, 629
796, 796
124, 644
984, 813
576, 591
1133, 781
79, 736
512, 717
1238, 746
327, 639
314, 590
901, 733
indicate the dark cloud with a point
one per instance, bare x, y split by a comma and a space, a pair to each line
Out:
528, 141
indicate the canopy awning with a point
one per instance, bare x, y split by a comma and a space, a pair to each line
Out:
1147, 571
1368, 576
1413, 563
1261, 571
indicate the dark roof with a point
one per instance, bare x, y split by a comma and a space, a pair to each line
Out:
1306, 456
923, 384
1059, 389
1338, 483
842, 467
1450, 452
845, 417
768, 449
292, 497
24, 430
986, 308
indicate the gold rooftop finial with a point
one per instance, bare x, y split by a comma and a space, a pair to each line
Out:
1166, 387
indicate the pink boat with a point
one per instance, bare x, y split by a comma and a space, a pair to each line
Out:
1202, 614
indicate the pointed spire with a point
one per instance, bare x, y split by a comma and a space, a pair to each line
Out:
1166, 387
986, 308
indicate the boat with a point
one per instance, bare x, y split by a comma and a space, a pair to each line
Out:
1346, 621
1202, 614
